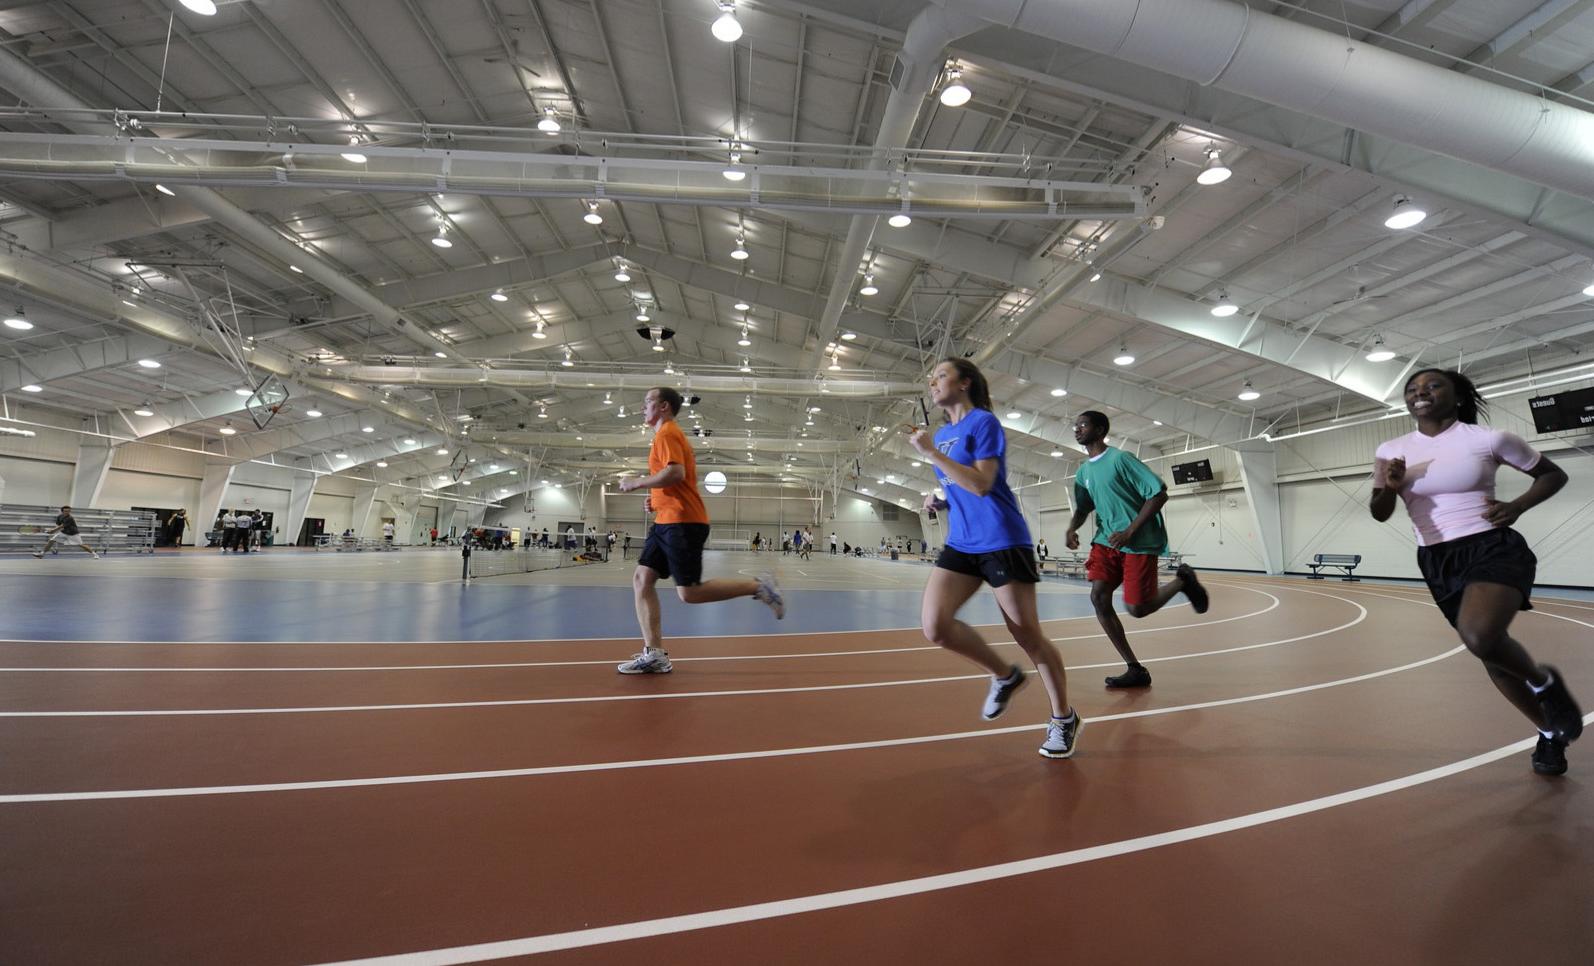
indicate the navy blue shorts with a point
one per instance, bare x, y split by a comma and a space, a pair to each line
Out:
1492, 557
995, 568
676, 550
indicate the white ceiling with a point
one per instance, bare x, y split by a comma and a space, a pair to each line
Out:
1294, 235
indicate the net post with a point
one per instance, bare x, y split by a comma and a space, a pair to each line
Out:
464, 555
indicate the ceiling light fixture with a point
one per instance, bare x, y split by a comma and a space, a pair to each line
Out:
1378, 352
1404, 214
353, 156
1124, 357
205, 8
1248, 392
1095, 276
499, 296
539, 333
441, 355
621, 275
742, 306
568, 361
550, 121
1059, 392
144, 409
744, 366
367, 429
899, 220
592, 217
227, 430
243, 392
955, 93
381, 464
1214, 171
340, 456
869, 287
1015, 414
727, 29
30, 387
1224, 307
441, 238
734, 171
744, 341
166, 191
313, 413
740, 252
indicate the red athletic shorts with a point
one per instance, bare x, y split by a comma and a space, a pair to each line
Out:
1136, 571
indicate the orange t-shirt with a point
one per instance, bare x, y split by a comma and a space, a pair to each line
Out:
678, 502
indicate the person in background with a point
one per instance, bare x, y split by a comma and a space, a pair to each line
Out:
175, 527
228, 525
65, 532
1040, 549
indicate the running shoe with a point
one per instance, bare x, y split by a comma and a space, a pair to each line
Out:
1002, 691
1136, 677
1561, 712
1549, 758
39, 554
1062, 736
648, 662
1193, 591
768, 592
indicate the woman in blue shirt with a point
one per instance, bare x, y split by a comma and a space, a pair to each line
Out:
987, 542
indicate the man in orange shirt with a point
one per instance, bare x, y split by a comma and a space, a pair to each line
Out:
674, 546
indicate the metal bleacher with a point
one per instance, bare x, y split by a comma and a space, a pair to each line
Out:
105, 531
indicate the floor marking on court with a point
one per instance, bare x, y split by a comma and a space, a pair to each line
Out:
644, 929
192, 791
597, 698
566, 640
678, 660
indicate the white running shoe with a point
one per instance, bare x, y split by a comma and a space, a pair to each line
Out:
39, 554
648, 662
769, 593
1002, 691
1061, 737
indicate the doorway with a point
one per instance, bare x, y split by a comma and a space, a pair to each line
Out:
308, 531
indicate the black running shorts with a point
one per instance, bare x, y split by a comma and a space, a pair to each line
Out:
1492, 557
995, 568
676, 550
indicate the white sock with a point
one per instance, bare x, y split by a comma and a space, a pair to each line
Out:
1065, 718
1549, 679
1548, 735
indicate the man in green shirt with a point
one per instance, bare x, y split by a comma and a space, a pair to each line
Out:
1127, 498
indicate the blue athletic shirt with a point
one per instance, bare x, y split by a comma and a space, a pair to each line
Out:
980, 524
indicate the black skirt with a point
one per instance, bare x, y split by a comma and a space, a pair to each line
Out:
1492, 557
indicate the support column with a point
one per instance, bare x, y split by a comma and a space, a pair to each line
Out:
212, 493
1259, 473
299, 494
364, 500
89, 474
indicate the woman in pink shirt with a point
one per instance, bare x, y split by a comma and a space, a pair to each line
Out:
1479, 570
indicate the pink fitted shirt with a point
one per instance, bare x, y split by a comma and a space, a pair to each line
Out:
1450, 477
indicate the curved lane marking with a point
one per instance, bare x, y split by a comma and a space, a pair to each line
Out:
679, 660
186, 792
590, 699
532, 945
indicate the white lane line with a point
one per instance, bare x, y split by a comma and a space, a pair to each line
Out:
188, 792
532, 945
679, 660
590, 699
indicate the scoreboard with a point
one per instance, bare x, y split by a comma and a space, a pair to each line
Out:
1573, 409
1198, 472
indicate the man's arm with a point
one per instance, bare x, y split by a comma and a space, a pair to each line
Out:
1148, 509
672, 473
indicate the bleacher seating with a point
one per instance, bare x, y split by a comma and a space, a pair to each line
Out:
105, 531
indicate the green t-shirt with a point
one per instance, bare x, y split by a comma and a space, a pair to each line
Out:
1118, 485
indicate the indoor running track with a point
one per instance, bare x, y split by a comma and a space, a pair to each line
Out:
1320, 774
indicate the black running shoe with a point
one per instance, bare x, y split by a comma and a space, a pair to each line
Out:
1193, 591
1549, 758
1136, 677
1561, 713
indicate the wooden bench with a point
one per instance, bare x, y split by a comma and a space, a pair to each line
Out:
1345, 563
